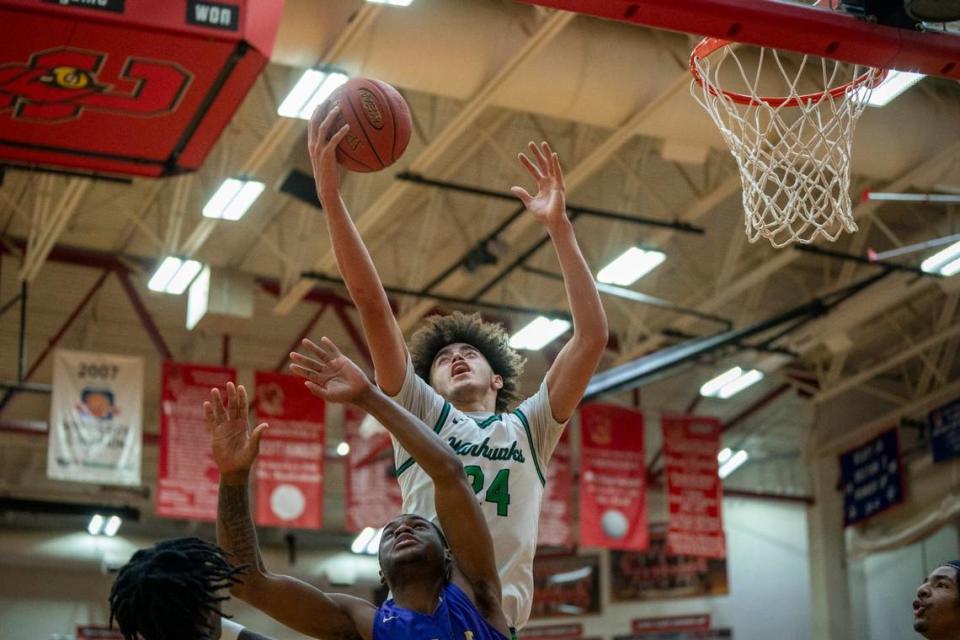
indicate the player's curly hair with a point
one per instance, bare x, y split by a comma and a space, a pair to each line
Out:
489, 338
167, 592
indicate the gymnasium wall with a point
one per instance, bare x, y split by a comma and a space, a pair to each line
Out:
883, 585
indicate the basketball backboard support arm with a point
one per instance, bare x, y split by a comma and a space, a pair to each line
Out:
782, 25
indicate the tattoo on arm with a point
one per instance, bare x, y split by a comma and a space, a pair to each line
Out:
235, 526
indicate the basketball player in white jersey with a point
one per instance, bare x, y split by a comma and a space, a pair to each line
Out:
460, 375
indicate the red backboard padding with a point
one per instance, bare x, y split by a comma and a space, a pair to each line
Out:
126, 86
788, 26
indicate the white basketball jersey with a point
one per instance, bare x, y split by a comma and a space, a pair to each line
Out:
505, 457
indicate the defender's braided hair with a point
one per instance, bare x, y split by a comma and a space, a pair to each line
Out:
168, 592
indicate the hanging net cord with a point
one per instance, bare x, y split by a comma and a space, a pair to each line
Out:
793, 151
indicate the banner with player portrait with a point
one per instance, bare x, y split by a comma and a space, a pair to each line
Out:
96, 418
694, 490
613, 478
289, 469
187, 478
372, 491
556, 510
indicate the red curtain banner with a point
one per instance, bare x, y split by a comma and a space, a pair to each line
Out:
695, 492
289, 471
556, 513
187, 477
372, 493
613, 511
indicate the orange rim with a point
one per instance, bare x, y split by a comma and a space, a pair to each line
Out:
708, 46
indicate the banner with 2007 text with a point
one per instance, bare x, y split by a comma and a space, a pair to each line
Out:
187, 478
289, 469
96, 418
694, 490
613, 478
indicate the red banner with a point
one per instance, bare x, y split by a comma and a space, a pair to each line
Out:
613, 511
670, 624
566, 586
187, 477
571, 631
690, 446
373, 493
95, 632
289, 471
556, 514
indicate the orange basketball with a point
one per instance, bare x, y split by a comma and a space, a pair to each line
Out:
379, 120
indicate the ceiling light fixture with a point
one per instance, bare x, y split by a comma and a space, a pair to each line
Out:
233, 198
538, 334
113, 525
733, 463
96, 525
730, 382
313, 87
630, 266
945, 262
896, 83
174, 275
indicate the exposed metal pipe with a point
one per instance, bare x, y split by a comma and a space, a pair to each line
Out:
849, 257
636, 296
604, 214
21, 347
633, 373
553, 313
9, 303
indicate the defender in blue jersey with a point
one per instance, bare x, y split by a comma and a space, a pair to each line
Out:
444, 585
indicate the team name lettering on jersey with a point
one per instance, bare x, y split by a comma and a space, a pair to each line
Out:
482, 450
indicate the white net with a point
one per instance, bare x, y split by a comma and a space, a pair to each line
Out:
794, 149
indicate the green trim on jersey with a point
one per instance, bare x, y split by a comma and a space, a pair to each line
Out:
533, 450
436, 429
489, 421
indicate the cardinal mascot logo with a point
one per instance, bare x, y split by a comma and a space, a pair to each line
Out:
58, 84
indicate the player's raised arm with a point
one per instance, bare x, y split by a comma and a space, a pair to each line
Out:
387, 348
568, 376
336, 378
292, 602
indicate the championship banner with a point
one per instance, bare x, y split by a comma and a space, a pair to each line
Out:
556, 512
289, 469
871, 477
372, 491
187, 478
572, 631
96, 418
613, 476
670, 624
945, 432
566, 586
694, 490
655, 575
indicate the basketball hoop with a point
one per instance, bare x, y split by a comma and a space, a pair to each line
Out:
792, 142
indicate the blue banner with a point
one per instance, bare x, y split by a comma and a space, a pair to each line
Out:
871, 478
945, 431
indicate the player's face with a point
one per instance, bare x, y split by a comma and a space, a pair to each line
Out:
460, 372
410, 538
936, 610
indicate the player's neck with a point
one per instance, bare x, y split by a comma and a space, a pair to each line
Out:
419, 595
474, 402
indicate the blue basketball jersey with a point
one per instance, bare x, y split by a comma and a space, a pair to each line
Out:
456, 618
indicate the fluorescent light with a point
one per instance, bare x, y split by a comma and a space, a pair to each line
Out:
343, 449
630, 266
164, 274
943, 198
538, 334
174, 275
232, 199
183, 277
364, 538
113, 525
724, 455
732, 464
896, 83
750, 377
943, 260
373, 547
313, 87
950, 268
96, 525
392, 3
711, 387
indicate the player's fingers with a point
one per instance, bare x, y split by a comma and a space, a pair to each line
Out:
329, 349
233, 411
257, 434
210, 416
316, 389
219, 413
305, 362
556, 170
327, 123
540, 158
521, 193
530, 167
305, 372
315, 349
242, 402
338, 136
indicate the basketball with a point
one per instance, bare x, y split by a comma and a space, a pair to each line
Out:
379, 120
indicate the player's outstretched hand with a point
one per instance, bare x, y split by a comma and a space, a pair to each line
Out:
234, 445
330, 374
549, 205
322, 143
